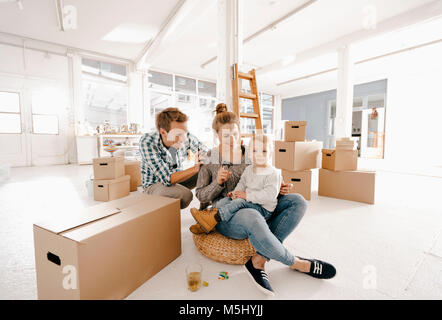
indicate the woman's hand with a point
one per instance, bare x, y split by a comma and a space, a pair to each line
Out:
230, 195
223, 175
239, 194
285, 188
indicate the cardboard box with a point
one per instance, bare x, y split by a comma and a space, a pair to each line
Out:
132, 168
294, 130
108, 168
345, 144
108, 250
298, 156
348, 185
107, 190
340, 160
301, 180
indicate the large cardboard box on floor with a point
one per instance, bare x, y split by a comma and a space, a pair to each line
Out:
340, 160
108, 250
294, 130
298, 156
301, 180
108, 190
133, 169
108, 168
348, 185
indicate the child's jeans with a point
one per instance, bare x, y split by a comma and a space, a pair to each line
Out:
228, 207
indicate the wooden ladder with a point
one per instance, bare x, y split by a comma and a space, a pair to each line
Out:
254, 96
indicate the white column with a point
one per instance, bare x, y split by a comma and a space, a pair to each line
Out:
230, 40
344, 104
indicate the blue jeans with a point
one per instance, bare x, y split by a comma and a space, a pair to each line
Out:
266, 236
228, 207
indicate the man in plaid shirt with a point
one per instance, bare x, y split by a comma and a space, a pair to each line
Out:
163, 152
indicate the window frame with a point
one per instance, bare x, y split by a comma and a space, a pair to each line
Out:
19, 111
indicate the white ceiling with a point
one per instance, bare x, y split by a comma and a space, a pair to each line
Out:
193, 42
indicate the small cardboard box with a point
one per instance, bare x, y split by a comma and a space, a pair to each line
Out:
108, 168
298, 156
294, 130
340, 160
301, 180
107, 190
132, 168
345, 144
348, 185
108, 250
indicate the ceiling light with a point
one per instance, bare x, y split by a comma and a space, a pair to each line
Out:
130, 33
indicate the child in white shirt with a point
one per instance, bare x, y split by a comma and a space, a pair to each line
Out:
258, 188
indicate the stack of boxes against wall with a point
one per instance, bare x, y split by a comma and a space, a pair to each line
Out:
296, 157
115, 178
340, 177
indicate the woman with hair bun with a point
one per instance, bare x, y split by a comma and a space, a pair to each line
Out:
218, 178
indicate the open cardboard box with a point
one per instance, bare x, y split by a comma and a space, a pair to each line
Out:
108, 250
133, 169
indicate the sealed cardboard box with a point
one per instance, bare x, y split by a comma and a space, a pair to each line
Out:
340, 160
108, 250
298, 156
132, 168
348, 185
108, 168
301, 180
294, 130
107, 190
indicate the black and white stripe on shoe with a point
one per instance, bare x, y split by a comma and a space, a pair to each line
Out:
319, 269
260, 278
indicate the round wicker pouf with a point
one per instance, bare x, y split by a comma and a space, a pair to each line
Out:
220, 248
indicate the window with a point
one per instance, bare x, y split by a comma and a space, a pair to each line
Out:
10, 118
47, 105
104, 93
160, 81
196, 98
185, 85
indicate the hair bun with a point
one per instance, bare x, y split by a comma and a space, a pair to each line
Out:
220, 108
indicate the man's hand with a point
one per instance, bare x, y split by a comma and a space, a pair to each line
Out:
223, 175
285, 188
239, 194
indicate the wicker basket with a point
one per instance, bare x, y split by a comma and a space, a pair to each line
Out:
220, 248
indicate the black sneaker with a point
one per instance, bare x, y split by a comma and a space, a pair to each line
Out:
319, 269
260, 278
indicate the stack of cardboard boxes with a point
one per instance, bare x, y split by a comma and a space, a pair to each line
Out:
110, 181
296, 157
339, 176
115, 178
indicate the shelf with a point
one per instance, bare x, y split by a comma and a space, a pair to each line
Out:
113, 135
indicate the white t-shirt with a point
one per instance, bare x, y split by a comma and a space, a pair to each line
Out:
261, 187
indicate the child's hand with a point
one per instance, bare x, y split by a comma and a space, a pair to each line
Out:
239, 194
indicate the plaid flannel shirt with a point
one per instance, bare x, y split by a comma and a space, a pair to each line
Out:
156, 160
